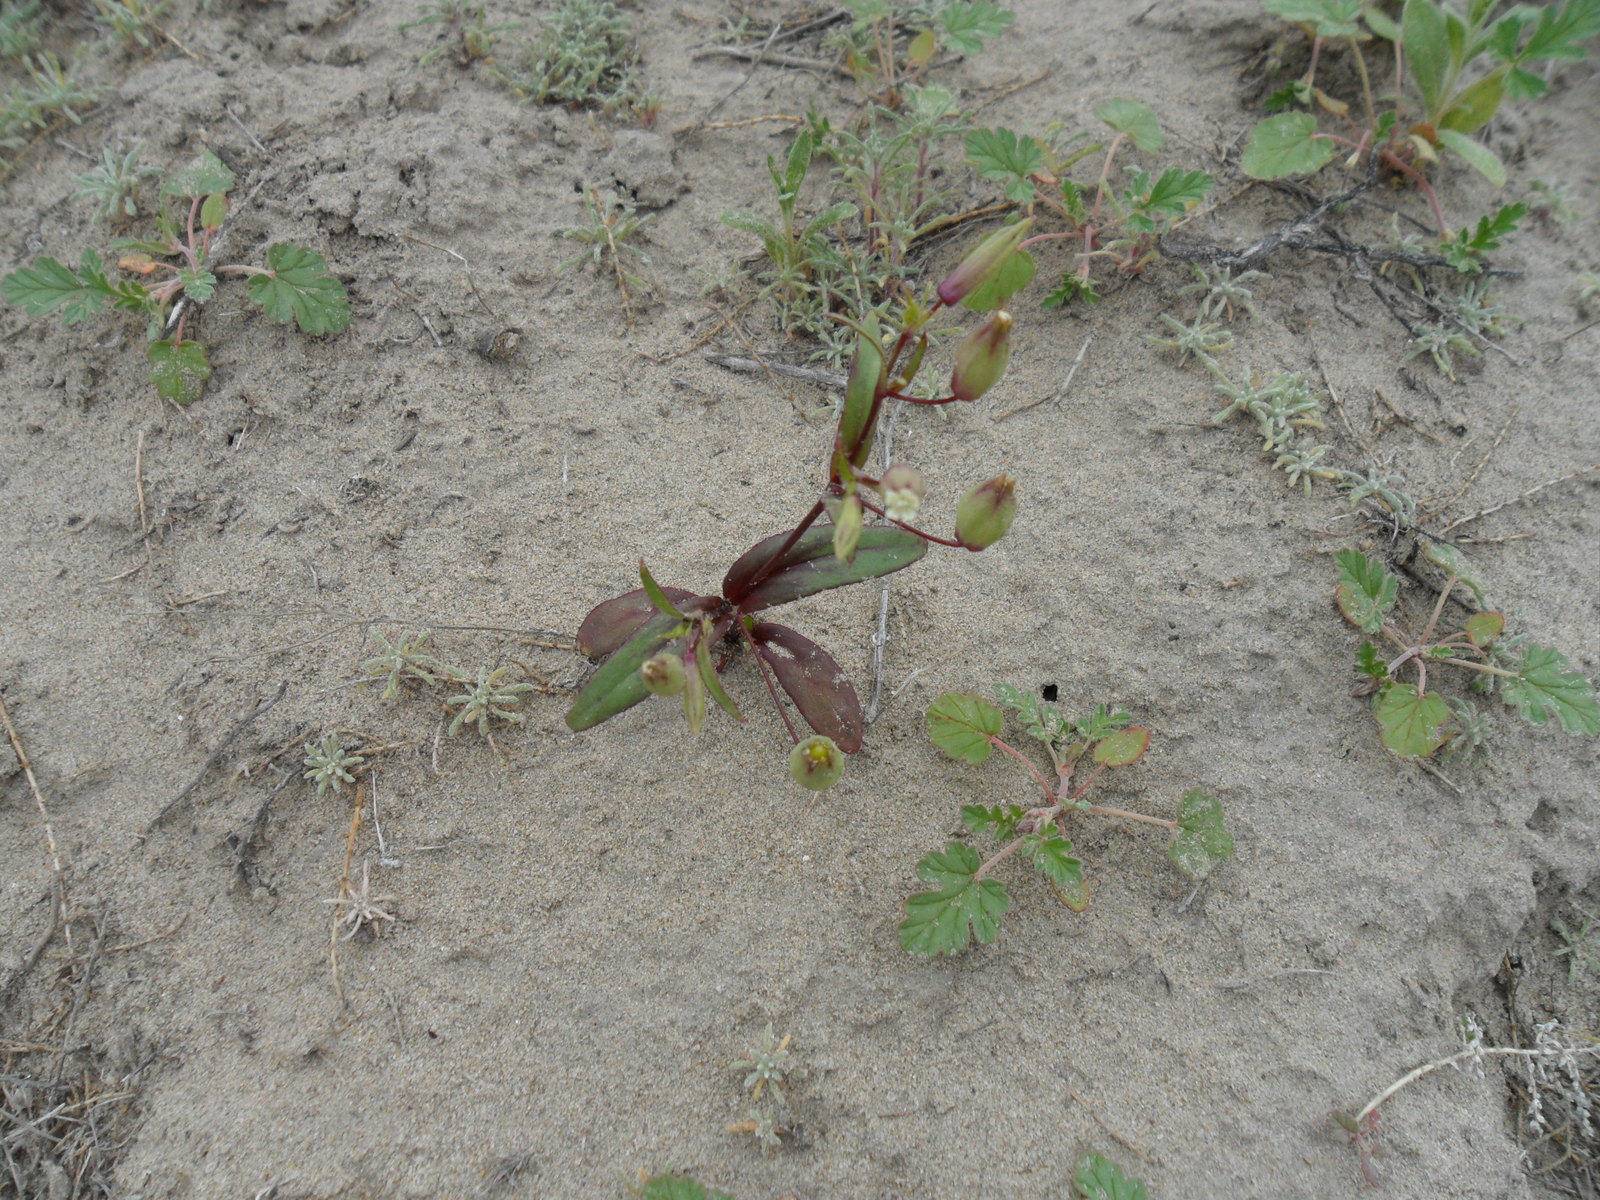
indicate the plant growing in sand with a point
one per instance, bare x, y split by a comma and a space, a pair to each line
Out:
668, 641
611, 222
966, 903
175, 274
1415, 722
1097, 1178
1450, 73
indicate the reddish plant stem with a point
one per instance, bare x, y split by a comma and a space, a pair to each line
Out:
997, 860
872, 507
997, 743
1104, 811
761, 666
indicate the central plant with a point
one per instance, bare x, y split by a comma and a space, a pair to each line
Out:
668, 641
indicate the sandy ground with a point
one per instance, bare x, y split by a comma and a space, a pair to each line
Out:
593, 927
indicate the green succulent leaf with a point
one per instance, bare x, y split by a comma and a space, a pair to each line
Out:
205, 175
964, 27
1098, 1179
298, 288
945, 921
616, 685
179, 370
1052, 856
1203, 839
1478, 156
1001, 156
1412, 724
1133, 120
658, 597
861, 393
809, 566
1122, 749
1285, 145
1366, 591
1544, 688
962, 725
713, 685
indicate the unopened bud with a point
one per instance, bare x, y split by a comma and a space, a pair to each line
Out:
903, 489
663, 675
984, 263
847, 529
982, 357
816, 763
986, 512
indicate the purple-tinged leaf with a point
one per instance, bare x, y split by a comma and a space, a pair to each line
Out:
618, 685
1123, 748
809, 566
813, 680
612, 622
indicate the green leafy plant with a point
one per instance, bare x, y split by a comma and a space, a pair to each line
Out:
294, 285
403, 659
1415, 722
464, 31
668, 641
1452, 71
612, 222
486, 700
1578, 947
673, 1186
889, 44
134, 23
767, 1070
1117, 221
20, 28
113, 184
53, 95
1097, 1178
583, 54
965, 902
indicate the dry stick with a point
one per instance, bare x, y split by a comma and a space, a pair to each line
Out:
787, 118
880, 636
755, 366
776, 60
211, 759
1527, 495
1516, 409
1476, 1052
254, 141
755, 66
345, 889
1060, 393
44, 814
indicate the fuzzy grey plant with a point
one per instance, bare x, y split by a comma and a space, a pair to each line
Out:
327, 765
487, 700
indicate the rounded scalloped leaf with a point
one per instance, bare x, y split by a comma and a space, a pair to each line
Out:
962, 725
1286, 145
1482, 628
1122, 748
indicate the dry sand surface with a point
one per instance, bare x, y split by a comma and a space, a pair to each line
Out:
592, 927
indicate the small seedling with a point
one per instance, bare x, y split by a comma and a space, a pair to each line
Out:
612, 224
488, 700
889, 44
293, 286
1580, 947
327, 765
669, 642
966, 902
673, 1186
356, 908
20, 28
465, 31
767, 1069
583, 55
404, 659
1439, 342
1451, 74
1415, 722
1097, 1178
113, 184
1220, 290
134, 23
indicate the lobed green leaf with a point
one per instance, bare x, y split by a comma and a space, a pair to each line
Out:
1001, 156
966, 26
962, 725
1122, 749
1203, 839
207, 174
179, 370
1134, 121
1284, 145
49, 285
999, 819
1366, 591
677, 1187
1543, 688
945, 921
1328, 18
1098, 1179
1412, 724
298, 288
1052, 856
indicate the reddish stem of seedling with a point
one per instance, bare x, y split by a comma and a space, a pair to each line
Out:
999, 744
1105, 811
872, 507
1004, 854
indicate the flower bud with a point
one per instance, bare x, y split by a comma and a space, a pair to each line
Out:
816, 763
847, 529
903, 488
663, 675
982, 357
982, 265
986, 512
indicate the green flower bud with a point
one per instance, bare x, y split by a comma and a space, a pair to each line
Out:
903, 488
816, 763
847, 529
982, 357
986, 512
982, 265
663, 675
